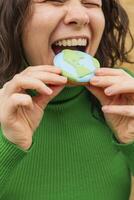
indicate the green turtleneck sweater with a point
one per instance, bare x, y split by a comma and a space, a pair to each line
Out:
74, 156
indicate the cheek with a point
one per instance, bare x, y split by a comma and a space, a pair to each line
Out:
41, 25
37, 32
97, 21
97, 25
44, 20
37, 25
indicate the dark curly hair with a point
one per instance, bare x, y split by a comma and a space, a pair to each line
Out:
13, 12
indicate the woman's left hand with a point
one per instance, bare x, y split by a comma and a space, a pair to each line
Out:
114, 88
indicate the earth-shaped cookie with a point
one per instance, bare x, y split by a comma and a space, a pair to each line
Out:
77, 66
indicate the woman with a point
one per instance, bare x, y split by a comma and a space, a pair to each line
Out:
60, 144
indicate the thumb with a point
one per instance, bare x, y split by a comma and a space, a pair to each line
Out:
56, 90
43, 100
98, 93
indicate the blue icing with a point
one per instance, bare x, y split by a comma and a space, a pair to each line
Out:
86, 78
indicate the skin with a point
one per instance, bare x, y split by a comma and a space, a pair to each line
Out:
48, 22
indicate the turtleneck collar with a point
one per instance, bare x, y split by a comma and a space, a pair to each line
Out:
67, 94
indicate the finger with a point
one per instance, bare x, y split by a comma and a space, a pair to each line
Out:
48, 78
44, 68
21, 83
105, 81
16, 100
123, 87
42, 100
120, 110
110, 72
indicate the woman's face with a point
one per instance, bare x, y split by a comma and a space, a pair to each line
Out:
58, 24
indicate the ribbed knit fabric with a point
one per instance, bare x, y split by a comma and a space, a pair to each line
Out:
74, 156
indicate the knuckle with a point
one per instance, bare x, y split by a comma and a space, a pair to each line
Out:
4, 90
6, 84
30, 68
16, 78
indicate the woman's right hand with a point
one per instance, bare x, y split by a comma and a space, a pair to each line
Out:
20, 114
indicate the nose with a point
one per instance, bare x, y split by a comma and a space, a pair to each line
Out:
77, 15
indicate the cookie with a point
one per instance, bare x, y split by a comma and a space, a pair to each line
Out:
77, 66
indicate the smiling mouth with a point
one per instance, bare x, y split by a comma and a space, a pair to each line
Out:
79, 44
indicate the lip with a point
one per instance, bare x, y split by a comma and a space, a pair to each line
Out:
74, 37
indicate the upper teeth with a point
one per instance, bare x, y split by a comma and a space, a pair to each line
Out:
72, 42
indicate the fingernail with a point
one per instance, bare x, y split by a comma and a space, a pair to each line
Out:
64, 79
108, 91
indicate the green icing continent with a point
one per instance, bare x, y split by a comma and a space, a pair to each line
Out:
70, 76
73, 59
82, 71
